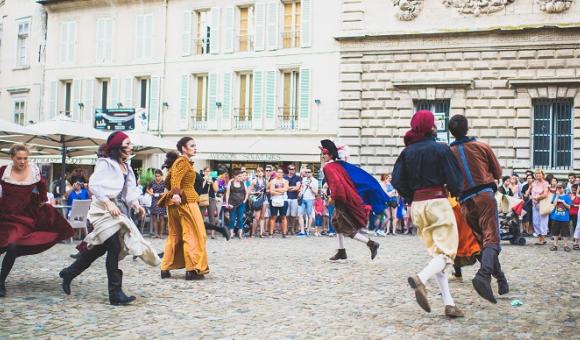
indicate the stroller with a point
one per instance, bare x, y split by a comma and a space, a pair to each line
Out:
510, 213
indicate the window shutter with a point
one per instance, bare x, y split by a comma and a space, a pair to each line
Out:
128, 93
140, 38
114, 94
227, 102
260, 26
305, 102
148, 36
229, 30
76, 98
214, 30
88, 89
273, 11
211, 100
186, 35
108, 40
154, 103
257, 105
63, 42
306, 23
100, 41
52, 105
270, 123
184, 103
72, 42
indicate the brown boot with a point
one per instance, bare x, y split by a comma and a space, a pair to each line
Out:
420, 292
374, 247
453, 312
340, 255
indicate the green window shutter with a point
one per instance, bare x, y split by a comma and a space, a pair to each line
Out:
305, 95
211, 100
229, 19
154, 92
214, 31
186, 34
273, 10
260, 26
184, 103
128, 93
227, 102
257, 105
52, 105
88, 94
306, 23
270, 123
76, 98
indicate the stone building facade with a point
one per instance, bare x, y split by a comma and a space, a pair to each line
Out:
513, 71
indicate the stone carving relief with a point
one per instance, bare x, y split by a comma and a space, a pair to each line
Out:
408, 9
554, 6
477, 7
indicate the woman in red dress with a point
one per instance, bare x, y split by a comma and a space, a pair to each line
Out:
27, 224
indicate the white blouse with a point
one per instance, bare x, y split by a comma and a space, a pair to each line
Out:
107, 181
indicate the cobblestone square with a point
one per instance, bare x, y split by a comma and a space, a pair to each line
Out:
286, 288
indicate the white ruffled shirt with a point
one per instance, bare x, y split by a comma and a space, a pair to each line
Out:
107, 181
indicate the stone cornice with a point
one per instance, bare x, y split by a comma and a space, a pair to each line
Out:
526, 82
434, 83
18, 90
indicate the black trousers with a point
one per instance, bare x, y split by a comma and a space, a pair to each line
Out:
112, 247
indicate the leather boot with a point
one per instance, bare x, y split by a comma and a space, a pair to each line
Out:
165, 274
374, 247
482, 280
2, 289
502, 283
340, 255
72, 271
116, 294
193, 276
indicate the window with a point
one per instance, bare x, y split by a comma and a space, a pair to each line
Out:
19, 111
22, 42
144, 36
68, 41
440, 109
289, 111
67, 97
144, 84
203, 29
243, 114
104, 40
552, 133
199, 111
291, 33
104, 93
246, 29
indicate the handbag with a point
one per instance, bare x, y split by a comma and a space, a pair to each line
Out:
278, 201
258, 202
203, 200
547, 205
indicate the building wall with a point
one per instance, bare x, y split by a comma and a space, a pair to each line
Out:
21, 82
492, 76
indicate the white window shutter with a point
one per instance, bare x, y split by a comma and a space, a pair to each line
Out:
108, 40
227, 102
140, 37
148, 36
273, 10
258, 96
154, 91
211, 100
64, 42
214, 30
99, 53
76, 99
305, 102
52, 105
88, 99
114, 94
184, 102
260, 26
270, 121
306, 23
72, 42
186, 34
128, 93
229, 33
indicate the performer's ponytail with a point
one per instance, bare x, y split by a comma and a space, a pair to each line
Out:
170, 158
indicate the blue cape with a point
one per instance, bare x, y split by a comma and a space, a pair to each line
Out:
367, 187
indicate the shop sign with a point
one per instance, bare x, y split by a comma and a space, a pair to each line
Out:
263, 157
115, 119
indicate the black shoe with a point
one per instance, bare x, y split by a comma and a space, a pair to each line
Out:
374, 247
160, 255
193, 276
502, 286
2, 289
75, 256
165, 274
340, 255
66, 281
482, 286
225, 232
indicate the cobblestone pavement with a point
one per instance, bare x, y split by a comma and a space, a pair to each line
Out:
286, 288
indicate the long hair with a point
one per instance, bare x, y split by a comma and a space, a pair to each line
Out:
170, 158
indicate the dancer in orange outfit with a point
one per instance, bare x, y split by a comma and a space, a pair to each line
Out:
185, 245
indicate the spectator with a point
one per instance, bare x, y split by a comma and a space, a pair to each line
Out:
278, 203
390, 216
515, 186
319, 206
308, 191
78, 192
155, 189
575, 199
236, 198
292, 194
571, 181
525, 193
210, 187
505, 187
553, 181
329, 209
260, 202
561, 218
538, 191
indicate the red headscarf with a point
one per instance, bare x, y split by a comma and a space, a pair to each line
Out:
116, 139
421, 126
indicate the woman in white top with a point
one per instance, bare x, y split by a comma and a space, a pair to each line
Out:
113, 186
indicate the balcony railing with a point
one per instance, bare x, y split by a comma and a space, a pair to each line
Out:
198, 119
201, 46
290, 39
245, 43
287, 118
242, 119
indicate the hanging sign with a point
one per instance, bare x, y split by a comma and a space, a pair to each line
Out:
441, 125
115, 119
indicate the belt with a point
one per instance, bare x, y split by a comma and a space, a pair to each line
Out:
463, 199
429, 193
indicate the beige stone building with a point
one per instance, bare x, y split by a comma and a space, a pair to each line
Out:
512, 67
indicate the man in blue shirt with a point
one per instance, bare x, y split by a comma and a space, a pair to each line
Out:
78, 192
292, 194
560, 217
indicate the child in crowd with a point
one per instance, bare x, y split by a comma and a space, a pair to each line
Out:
560, 217
319, 206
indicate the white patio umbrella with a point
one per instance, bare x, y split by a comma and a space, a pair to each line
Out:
11, 133
144, 143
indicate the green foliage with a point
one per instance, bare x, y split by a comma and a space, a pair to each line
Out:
146, 176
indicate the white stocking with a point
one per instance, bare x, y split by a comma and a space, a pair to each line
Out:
443, 283
436, 265
361, 237
340, 238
